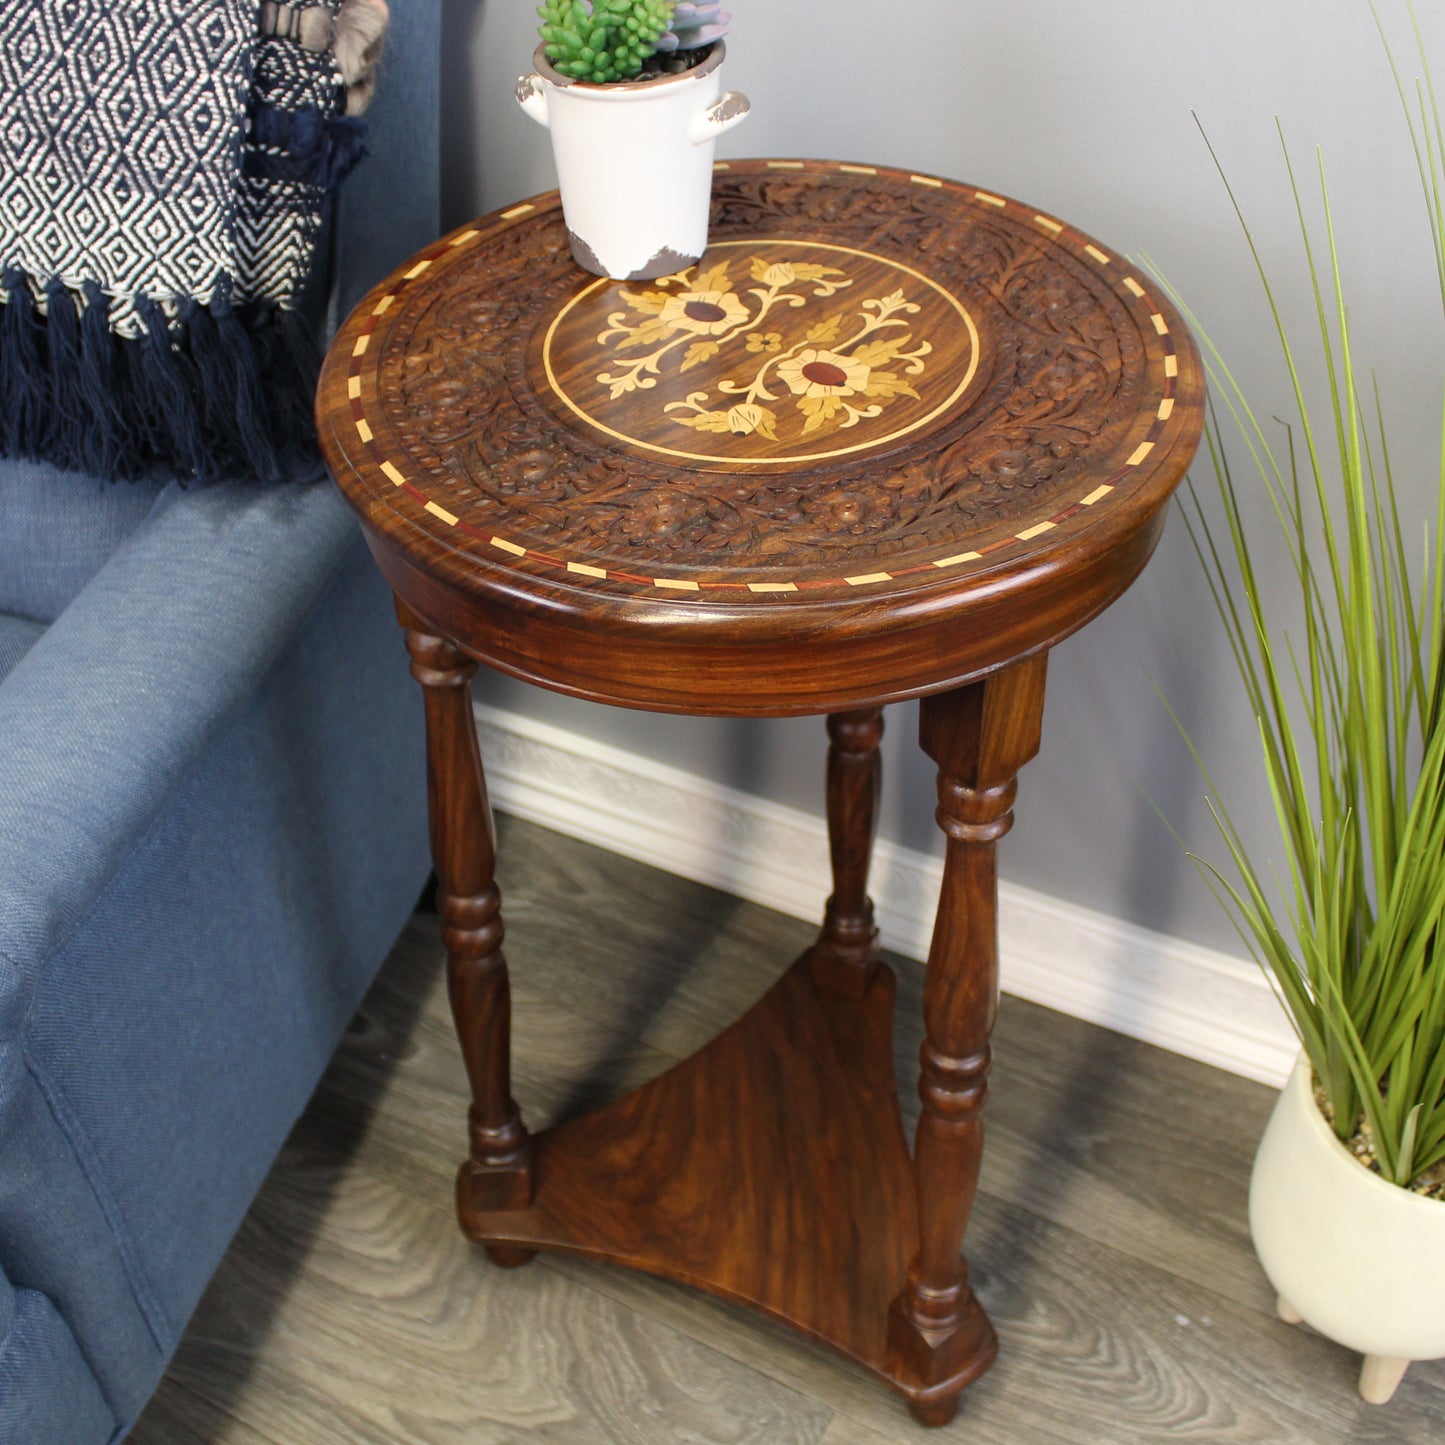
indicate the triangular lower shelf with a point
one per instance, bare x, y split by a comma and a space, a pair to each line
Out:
769, 1168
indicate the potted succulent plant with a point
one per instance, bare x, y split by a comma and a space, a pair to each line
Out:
1347, 1198
631, 92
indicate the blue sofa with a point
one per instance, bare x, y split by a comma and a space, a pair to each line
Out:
212, 828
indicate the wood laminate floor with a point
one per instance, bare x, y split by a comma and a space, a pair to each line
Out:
1109, 1242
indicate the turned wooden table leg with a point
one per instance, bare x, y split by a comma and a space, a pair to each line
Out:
980, 736
496, 1174
846, 955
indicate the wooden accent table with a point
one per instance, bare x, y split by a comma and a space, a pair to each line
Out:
893, 437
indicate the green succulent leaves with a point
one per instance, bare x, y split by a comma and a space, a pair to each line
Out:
608, 40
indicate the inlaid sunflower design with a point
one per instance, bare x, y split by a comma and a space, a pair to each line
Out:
821, 372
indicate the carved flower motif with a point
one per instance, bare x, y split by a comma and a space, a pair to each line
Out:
1018, 463
851, 513
532, 466
814, 372
708, 313
658, 518
1057, 296
1007, 466
430, 395
1063, 379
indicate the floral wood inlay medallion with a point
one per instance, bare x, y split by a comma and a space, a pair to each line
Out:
764, 351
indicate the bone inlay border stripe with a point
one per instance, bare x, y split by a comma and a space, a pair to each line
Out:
1146, 309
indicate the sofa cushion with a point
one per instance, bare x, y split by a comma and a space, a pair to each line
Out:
17, 636
56, 531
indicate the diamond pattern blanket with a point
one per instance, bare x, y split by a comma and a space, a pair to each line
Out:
164, 168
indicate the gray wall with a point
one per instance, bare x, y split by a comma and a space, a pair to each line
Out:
1085, 111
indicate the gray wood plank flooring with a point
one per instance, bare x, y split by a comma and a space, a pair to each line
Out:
1109, 1242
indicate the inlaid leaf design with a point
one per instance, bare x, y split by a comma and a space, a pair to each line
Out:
698, 351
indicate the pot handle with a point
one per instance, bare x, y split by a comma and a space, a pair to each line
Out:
532, 98
723, 114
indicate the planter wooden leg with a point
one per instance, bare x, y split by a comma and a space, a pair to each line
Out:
496, 1174
980, 736
1380, 1377
846, 958
1287, 1312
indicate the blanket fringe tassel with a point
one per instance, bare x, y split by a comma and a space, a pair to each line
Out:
219, 391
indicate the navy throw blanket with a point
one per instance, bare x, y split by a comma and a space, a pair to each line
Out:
164, 168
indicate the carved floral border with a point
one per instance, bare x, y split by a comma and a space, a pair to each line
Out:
1142, 301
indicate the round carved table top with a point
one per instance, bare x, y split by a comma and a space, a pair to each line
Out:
891, 432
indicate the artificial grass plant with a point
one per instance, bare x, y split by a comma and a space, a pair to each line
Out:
1350, 710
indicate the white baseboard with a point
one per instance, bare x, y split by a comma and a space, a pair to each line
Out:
1194, 1001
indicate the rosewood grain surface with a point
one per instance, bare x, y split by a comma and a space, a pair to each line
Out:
892, 436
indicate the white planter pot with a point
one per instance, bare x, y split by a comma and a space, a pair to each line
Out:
634, 162
1360, 1259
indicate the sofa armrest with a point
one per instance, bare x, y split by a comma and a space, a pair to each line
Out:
109, 710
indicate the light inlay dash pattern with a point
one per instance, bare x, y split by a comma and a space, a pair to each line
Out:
764, 587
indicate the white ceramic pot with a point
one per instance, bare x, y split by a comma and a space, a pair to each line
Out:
1360, 1259
634, 162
